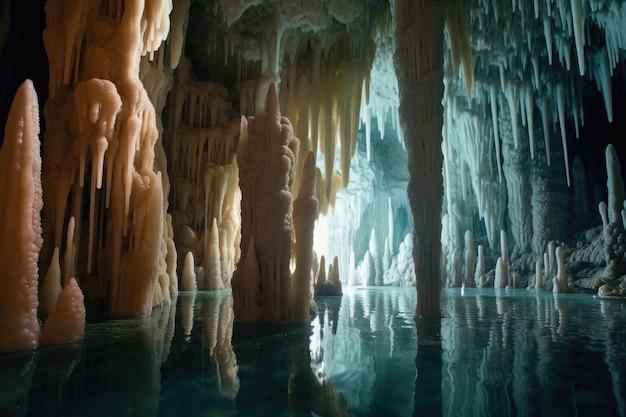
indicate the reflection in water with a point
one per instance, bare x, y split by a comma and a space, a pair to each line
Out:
494, 353
533, 354
364, 343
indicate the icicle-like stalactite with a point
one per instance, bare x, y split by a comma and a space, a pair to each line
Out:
419, 32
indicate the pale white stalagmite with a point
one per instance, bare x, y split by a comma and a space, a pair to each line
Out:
335, 278
504, 254
212, 263
538, 274
613, 224
321, 275
374, 250
368, 270
69, 257
222, 200
20, 224
470, 259
188, 275
479, 275
419, 33
603, 210
67, 323
615, 185
386, 254
560, 280
552, 261
501, 279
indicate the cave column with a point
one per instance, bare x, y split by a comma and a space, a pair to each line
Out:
419, 32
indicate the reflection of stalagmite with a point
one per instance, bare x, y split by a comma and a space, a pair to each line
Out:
217, 332
187, 303
614, 353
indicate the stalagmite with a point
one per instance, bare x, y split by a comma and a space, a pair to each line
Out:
504, 254
615, 185
479, 275
502, 274
470, 259
69, 258
374, 250
559, 282
368, 270
212, 263
188, 276
267, 144
20, 224
67, 323
538, 275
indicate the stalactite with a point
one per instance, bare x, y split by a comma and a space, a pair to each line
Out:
100, 105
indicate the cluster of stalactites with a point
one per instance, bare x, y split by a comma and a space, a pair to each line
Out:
523, 70
99, 114
517, 43
319, 56
323, 97
202, 140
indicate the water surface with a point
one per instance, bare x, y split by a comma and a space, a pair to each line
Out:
494, 353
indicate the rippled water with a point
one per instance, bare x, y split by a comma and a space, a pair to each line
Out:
508, 353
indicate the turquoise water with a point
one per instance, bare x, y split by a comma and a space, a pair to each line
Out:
508, 353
